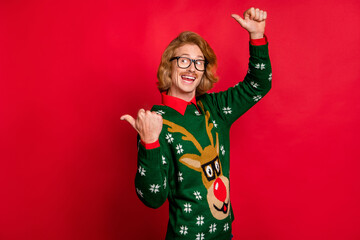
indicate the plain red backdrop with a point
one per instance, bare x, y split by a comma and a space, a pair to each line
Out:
70, 69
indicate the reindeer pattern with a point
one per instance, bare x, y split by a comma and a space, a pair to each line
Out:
207, 162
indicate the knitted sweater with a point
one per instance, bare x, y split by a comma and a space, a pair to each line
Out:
191, 167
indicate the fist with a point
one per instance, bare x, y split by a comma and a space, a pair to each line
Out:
148, 124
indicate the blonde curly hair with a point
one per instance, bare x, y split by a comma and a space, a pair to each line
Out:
165, 68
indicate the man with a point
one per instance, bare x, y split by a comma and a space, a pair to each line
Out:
184, 144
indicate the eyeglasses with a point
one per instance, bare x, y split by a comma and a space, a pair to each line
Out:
184, 62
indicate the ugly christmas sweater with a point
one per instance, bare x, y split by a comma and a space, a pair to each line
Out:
191, 167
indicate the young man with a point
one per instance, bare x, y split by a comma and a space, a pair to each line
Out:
184, 143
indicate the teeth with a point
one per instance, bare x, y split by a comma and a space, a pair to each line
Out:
188, 77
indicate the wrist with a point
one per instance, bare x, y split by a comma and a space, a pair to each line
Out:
256, 35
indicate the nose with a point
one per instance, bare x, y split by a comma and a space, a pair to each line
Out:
220, 190
192, 67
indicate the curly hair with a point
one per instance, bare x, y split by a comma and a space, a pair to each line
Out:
165, 68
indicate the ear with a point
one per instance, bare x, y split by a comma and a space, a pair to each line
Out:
191, 161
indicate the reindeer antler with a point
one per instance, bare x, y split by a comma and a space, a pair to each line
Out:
187, 136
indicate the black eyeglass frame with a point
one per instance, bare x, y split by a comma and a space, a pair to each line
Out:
191, 61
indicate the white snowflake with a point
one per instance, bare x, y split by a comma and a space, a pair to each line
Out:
215, 124
164, 183
270, 77
237, 84
160, 112
260, 66
187, 207
254, 84
179, 148
227, 110
257, 98
197, 195
154, 188
200, 236
183, 230
226, 227
139, 192
200, 220
180, 177
197, 113
169, 138
163, 160
222, 149
212, 228
248, 70
142, 171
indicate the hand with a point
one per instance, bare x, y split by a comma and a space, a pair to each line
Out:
253, 22
148, 124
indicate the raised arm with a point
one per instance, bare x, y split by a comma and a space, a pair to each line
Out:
234, 102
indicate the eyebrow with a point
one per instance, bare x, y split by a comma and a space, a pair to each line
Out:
198, 56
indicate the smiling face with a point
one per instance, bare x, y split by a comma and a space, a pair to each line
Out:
185, 81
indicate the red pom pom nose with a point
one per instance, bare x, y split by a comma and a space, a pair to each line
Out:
220, 190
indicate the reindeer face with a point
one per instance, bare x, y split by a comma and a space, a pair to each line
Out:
217, 185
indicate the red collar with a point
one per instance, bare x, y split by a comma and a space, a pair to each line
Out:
176, 103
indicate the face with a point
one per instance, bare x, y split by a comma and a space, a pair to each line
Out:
185, 81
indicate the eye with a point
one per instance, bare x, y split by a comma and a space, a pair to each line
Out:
184, 60
209, 171
217, 167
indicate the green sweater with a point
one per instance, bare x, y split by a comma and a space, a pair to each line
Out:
191, 168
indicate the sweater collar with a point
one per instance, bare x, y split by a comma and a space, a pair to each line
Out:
176, 103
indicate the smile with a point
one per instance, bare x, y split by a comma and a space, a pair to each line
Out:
188, 78
223, 209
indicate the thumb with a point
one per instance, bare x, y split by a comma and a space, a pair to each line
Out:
129, 119
239, 19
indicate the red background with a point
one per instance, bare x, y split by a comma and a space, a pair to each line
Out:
69, 70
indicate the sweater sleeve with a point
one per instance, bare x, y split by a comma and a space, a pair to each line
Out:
151, 181
235, 101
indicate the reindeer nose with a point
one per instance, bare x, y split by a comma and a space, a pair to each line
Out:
220, 190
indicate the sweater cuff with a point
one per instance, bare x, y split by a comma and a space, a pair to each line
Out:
259, 42
149, 146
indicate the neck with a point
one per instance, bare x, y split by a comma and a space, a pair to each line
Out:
184, 96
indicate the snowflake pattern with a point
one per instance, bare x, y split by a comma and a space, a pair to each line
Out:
169, 138
270, 77
163, 160
215, 124
226, 227
183, 230
248, 70
200, 220
160, 112
180, 177
187, 207
222, 149
257, 98
164, 184
212, 228
179, 148
139, 192
197, 113
142, 171
154, 188
260, 66
227, 110
200, 236
254, 84
197, 195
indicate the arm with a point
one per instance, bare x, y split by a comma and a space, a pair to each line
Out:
234, 102
150, 181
